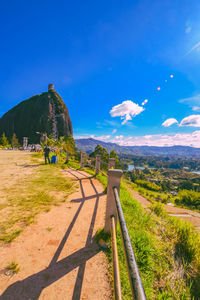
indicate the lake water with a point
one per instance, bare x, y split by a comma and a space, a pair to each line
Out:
132, 167
196, 172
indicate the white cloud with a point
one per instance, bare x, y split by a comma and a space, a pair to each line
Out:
92, 136
188, 27
195, 100
144, 102
193, 121
169, 122
196, 108
183, 139
126, 110
195, 47
102, 137
119, 137
114, 131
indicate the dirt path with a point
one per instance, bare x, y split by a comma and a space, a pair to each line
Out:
182, 213
57, 255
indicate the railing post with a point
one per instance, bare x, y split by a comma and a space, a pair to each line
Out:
82, 159
98, 164
114, 180
111, 163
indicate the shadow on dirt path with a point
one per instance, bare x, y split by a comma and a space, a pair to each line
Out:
32, 286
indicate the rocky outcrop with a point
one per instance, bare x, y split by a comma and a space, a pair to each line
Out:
45, 113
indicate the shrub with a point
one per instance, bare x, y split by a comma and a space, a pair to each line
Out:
148, 185
158, 209
189, 198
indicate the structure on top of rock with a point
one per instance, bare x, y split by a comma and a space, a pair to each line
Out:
45, 113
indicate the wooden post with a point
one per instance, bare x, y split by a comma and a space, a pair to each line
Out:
82, 159
98, 164
111, 163
114, 180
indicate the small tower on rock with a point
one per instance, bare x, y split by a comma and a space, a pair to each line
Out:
50, 86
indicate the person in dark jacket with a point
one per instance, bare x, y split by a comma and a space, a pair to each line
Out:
46, 154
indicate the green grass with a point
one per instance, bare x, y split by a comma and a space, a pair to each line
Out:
37, 193
13, 266
188, 199
9, 236
102, 235
153, 196
148, 185
166, 250
158, 209
49, 229
89, 171
72, 164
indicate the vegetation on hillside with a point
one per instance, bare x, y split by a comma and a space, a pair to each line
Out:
166, 162
4, 143
175, 186
167, 251
13, 142
188, 198
99, 150
64, 144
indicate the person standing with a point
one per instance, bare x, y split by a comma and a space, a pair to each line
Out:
46, 154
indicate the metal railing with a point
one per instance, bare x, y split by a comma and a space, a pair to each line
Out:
134, 275
114, 213
116, 273
98, 162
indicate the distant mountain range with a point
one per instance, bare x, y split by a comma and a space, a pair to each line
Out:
88, 145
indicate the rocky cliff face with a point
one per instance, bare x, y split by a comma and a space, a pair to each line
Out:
41, 113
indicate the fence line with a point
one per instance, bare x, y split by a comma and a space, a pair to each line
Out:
133, 271
114, 213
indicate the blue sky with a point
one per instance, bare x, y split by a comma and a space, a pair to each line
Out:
105, 54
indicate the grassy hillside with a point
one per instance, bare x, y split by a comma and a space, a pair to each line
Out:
167, 250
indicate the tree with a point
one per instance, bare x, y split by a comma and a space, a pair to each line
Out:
101, 151
64, 144
186, 185
4, 140
113, 154
104, 155
14, 141
67, 144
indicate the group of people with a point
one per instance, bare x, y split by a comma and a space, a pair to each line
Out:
53, 160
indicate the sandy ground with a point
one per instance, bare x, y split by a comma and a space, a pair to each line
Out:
63, 262
182, 213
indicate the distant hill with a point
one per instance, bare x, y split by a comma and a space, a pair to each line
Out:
88, 146
45, 113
